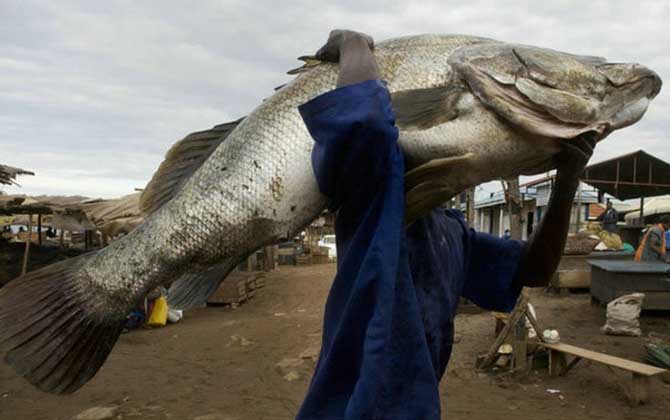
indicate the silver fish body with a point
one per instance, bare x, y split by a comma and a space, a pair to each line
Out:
507, 111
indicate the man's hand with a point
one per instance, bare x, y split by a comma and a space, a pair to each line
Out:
353, 50
338, 39
572, 160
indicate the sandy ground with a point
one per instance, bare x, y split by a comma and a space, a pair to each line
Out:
223, 362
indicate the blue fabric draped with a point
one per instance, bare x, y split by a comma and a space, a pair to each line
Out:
388, 322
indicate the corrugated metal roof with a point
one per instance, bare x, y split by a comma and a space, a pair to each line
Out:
497, 198
634, 175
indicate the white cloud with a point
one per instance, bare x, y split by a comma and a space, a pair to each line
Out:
92, 94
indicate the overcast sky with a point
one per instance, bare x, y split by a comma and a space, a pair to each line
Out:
92, 94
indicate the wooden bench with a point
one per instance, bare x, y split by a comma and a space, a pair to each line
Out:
639, 391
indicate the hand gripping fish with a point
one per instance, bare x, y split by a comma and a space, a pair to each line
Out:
469, 110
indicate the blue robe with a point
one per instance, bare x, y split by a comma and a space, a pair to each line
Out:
389, 318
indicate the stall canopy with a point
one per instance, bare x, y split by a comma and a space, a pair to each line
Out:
634, 175
655, 206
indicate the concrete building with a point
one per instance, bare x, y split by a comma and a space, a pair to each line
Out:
492, 216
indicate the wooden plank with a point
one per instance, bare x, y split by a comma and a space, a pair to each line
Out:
520, 346
514, 317
232, 290
535, 326
639, 390
557, 362
618, 362
572, 364
26, 252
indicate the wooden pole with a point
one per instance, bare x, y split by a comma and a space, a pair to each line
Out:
642, 210
470, 206
520, 346
516, 314
39, 229
62, 239
514, 206
26, 252
579, 207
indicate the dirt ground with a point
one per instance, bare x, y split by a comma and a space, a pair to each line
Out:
253, 362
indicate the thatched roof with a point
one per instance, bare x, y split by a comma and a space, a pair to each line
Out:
76, 213
8, 174
115, 216
75, 221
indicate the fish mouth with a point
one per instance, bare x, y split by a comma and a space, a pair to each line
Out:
634, 77
636, 85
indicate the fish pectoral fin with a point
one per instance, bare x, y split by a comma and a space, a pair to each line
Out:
420, 109
181, 161
309, 60
192, 290
435, 169
423, 198
56, 328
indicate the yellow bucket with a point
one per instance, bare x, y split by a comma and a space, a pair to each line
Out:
159, 313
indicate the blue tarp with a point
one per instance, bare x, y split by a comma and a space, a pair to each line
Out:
388, 322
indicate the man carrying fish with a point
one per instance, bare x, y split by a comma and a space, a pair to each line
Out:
463, 109
389, 320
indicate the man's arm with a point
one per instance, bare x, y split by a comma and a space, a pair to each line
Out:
544, 248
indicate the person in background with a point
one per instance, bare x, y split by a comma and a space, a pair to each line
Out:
653, 245
507, 234
609, 217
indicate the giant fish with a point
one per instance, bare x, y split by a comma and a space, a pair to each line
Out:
469, 110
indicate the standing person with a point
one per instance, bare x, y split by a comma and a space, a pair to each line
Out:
389, 318
653, 244
507, 234
609, 217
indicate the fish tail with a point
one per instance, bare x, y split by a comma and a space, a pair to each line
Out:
55, 328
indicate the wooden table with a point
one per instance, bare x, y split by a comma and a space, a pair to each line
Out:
611, 279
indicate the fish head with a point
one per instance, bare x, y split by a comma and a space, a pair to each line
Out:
554, 94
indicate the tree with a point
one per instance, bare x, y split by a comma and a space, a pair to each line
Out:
470, 206
514, 206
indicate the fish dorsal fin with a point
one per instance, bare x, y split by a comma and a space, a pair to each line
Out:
181, 161
420, 109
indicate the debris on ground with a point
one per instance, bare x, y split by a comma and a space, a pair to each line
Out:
292, 376
97, 413
239, 340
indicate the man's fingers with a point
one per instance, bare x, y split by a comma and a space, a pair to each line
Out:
589, 139
576, 150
